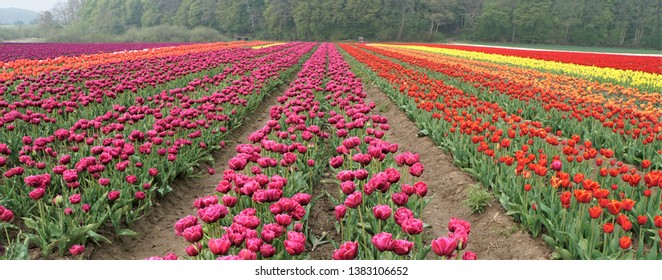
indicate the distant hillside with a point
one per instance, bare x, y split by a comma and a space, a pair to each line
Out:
12, 15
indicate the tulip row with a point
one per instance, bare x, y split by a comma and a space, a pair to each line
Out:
632, 132
183, 125
643, 63
12, 69
384, 198
516, 166
29, 51
265, 191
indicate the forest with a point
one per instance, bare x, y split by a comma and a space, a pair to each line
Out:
627, 23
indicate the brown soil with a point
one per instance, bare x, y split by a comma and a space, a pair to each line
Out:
156, 234
322, 220
494, 235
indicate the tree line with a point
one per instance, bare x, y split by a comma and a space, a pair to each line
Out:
631, 23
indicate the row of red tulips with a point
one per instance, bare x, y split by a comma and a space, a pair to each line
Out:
536, 182
633, 132
650, 64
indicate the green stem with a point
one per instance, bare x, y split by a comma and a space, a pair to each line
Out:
365, 241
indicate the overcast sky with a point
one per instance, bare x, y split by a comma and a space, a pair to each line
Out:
35, 5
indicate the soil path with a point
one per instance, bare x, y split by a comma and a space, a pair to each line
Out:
493, 234
156, 234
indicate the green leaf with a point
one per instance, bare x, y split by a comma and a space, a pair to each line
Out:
423, 133
97, 237
422, 253
30, 223
565, 254
126, 232
550, 241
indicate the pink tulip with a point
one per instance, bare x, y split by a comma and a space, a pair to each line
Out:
416, 169
6, 215
400, 198
193, 233
76, 250
347, 251
267, 250
381, 212
412, 226
193, 249
185, 223
383, 241
283, 219
37, 193
402, 214
421, 189
74, 199
336, 162
348, 187
402, 247
219, 246
113, 195
556, 165
354, 200
212, 213
230, 201
341, 210
455, 224
444, 246
361, 174
469, 255
253, 244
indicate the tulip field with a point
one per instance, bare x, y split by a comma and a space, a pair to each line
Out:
94, 136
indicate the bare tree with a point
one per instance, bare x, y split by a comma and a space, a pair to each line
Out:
66, 13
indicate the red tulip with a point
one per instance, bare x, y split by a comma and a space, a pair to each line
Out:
625, 242
595, 212
657, 221
628, 204
614, 207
